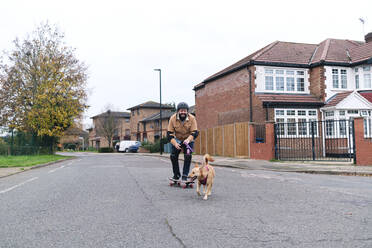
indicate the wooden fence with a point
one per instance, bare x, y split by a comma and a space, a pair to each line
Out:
243, 139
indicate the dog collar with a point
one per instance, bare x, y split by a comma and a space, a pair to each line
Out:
204, 181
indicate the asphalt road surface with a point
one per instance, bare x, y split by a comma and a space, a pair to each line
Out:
124, 200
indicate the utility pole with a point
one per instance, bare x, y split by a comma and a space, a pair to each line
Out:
161, 128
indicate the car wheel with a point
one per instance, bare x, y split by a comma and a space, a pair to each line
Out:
126, 150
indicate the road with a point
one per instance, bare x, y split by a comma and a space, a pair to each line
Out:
124, 200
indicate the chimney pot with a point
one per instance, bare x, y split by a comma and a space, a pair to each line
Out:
368, 37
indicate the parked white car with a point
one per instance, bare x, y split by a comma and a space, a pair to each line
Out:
125, 144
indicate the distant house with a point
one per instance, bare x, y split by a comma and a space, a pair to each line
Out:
151, 124
142, 111
122, 130
73, 136
290, 82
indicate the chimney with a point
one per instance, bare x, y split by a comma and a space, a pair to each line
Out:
368, 37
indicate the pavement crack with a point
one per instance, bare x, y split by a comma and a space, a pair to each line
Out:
174, 234
151, 202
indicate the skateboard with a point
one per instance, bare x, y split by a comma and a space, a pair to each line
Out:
179, 183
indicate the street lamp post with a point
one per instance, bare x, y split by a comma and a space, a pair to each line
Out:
161, 128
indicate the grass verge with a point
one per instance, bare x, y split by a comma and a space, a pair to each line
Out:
25, 161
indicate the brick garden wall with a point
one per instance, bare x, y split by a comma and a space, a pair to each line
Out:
363, 146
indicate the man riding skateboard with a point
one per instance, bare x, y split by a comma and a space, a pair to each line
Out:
182, 131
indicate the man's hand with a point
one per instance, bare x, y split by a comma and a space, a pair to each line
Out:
175, 144
187, 141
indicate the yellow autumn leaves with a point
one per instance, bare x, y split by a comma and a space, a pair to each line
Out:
43, 87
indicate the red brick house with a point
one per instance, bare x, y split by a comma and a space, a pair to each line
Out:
151, 125
122, 130
284, 82
140, 112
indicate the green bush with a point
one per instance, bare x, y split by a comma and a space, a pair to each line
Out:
106, 149
4, 149
154, 147
91, 149
69, 146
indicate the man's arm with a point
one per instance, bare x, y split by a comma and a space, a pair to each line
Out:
194, 131
171, 134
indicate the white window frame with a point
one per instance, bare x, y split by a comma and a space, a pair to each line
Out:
367, 80
296, 114
339, 115
297, 80
363, 77
339, 78
367, 123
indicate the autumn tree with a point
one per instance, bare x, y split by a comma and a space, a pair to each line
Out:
42, 84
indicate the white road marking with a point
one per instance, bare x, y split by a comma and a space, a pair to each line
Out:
108, 166
277, 177
56, 169
16, 186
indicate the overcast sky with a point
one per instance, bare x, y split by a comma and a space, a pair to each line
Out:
123, 41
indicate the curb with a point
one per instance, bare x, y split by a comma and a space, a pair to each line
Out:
320, 172
37, 166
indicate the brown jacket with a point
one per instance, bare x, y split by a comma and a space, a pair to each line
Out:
182, 131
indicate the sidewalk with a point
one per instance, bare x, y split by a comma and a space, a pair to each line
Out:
316, 167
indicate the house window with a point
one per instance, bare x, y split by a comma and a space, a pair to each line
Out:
127, 132
138, 111
357, 81
353, 112
301, 112
284, 80
132, 112
313, 125
291, 112
335, 78
295, 121
330, 127
342, 113
269, 83
366, 68
127, 120
279, 83
342, 124
291, 124
290, 84
329, 113
356, 70
343, 79
300, 84
368, 127
302, 126
279, 112
367, 80
280, 122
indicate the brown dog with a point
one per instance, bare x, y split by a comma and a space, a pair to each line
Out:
205, 175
